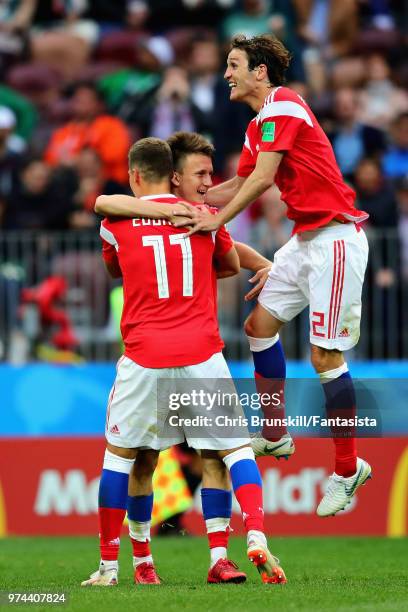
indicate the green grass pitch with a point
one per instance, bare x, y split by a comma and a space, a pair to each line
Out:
342, 574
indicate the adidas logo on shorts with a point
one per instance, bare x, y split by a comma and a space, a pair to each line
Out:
114, 430
344, 333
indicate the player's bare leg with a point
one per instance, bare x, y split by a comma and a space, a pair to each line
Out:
262, 330
216, 499
247, 484
350, 472
139, 509
112, 502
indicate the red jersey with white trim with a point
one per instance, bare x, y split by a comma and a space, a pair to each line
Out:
169, 313
308, 176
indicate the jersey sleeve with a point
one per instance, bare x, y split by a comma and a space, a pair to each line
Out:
222, 239
109, 243
279, 133
223, 242
246, 161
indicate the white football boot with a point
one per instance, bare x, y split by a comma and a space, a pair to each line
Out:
340, 490
265, 562
104, 576
265, 448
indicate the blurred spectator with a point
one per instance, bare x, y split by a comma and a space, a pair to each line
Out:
9, 159
375, 195
91, 127
224, 122
351, 139
165, 15
328, 25
274, 229
91, 184
381, 100
126, 88
25, 112
61, 37
39, 199
402, 199
169, 108
252, 18
109, 14
15, 20
395, 160
328, 29
377, 13
8, 123
278, 17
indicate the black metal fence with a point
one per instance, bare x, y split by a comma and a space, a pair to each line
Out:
55, 299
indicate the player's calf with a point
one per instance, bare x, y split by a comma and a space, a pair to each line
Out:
247, 484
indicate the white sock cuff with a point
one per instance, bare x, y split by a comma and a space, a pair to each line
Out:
139, 560
256, 536
242, 453
139, 531
117, 464
108, 564
217, 524
257, 345
326, 377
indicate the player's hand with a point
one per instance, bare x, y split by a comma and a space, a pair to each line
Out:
260, 279
200, 219
180, 213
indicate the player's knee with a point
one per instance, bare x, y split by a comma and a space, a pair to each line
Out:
261, 325
324, 359
249, 326
146, 463
125, 453
215, 474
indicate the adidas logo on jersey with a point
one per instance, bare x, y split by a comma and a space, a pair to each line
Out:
344, 333
114, 430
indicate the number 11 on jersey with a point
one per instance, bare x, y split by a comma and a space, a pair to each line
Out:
157, 242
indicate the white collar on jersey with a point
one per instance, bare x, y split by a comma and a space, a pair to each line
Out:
158, 195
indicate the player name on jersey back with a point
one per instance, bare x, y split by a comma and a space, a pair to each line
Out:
144, 222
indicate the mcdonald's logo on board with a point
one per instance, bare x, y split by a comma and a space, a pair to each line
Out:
398, 500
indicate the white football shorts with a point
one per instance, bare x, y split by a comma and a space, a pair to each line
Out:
140, 415
324, 269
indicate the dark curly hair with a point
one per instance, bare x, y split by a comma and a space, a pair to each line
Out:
265, 49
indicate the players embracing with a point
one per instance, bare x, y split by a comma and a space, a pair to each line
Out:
169, 299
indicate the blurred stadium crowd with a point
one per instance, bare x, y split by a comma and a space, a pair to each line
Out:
82, 79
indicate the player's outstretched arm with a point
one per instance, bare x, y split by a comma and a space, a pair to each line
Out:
262, 177
249, 258
128, 206
224, 192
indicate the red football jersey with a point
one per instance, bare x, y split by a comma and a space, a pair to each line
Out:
308, 176
169, 313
